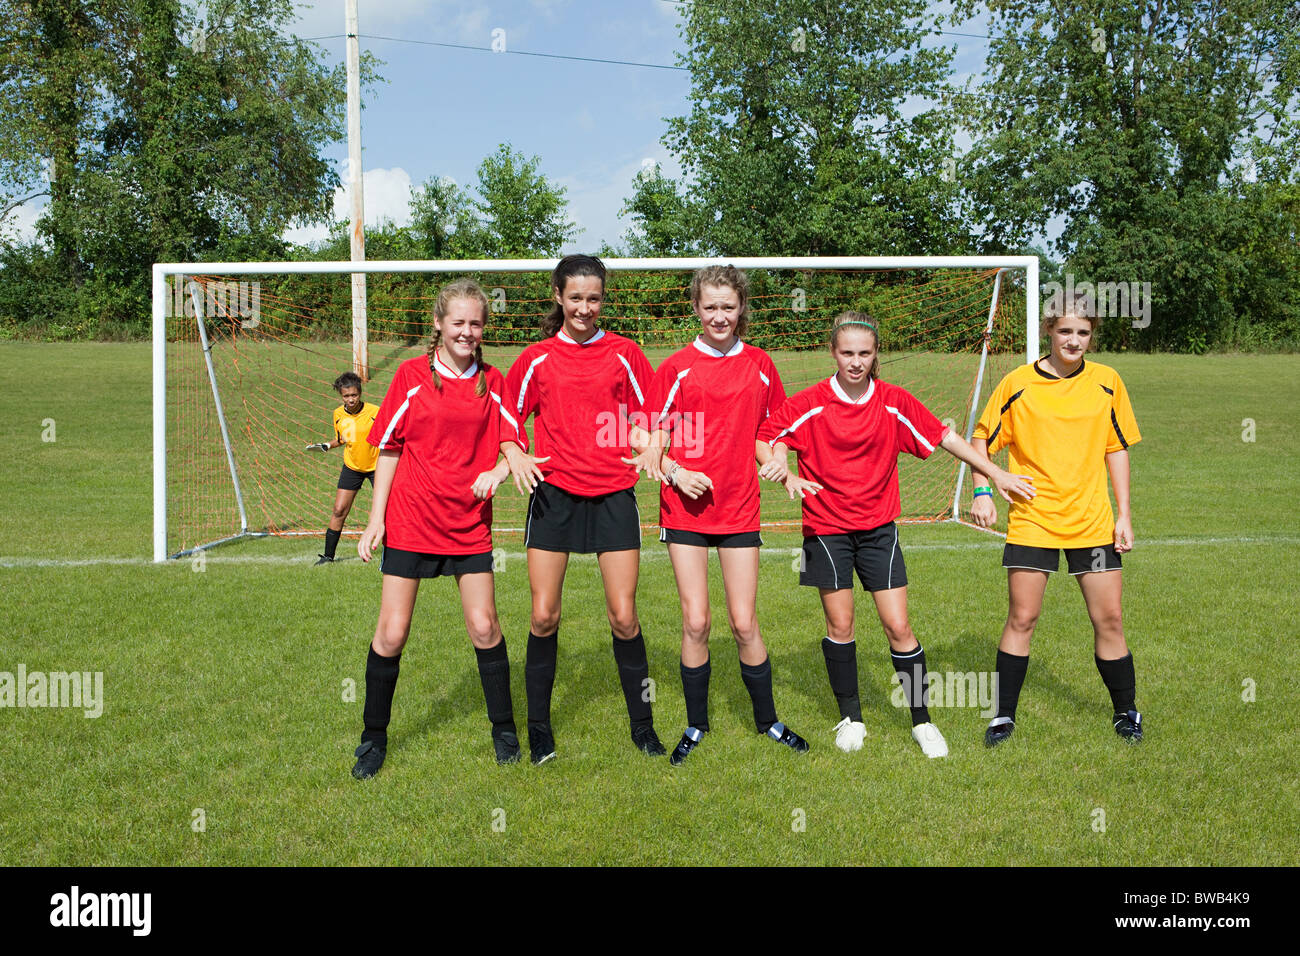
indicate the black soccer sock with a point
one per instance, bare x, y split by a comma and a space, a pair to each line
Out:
331, 542
758, 681
634, 675
910, 667
381, 682
695, 688
1011, 676
1120, 681
842, 669
539, 675
494, 672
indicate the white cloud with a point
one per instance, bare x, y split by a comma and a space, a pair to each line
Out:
597, 195
386, 194
20, 224
326, 17
446, 21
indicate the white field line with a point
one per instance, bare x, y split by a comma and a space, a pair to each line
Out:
647, 553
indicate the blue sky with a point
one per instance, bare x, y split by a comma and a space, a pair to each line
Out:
593, 125
441, 111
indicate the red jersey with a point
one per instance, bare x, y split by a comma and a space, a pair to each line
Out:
851, 449
448, 437
712, 405
585, 396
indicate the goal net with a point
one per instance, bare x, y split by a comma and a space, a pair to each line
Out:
245, 354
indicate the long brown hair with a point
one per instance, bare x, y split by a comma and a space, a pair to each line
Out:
729, 277
566, 269
460, 289
867, 324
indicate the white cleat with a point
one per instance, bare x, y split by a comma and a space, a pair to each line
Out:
931, 741
849, 735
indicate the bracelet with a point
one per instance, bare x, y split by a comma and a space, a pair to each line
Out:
984, 490
671, 477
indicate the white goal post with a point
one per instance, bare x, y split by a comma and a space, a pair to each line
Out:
164, 275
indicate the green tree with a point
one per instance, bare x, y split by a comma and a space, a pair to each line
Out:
444, 221
796, 141
170, 138
1164, 135
664, 224
523, 214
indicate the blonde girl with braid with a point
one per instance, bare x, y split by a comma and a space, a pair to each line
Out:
439, 434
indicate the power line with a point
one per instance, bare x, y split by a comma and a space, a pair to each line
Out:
488, 49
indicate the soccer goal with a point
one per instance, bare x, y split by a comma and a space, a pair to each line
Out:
244, 355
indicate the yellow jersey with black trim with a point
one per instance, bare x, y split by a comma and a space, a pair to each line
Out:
1059, 432
352, 431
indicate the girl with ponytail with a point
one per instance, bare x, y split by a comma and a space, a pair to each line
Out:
848, 432
587, 388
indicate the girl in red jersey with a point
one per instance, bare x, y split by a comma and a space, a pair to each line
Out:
587, 388
848, 432
439, 432
710, 399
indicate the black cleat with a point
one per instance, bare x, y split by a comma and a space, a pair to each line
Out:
647, 741
783, 734
541, 744
1129, 726
506, 744
322, 559
369, 759
685, 746
999, 730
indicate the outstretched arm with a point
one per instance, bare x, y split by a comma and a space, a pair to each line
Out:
1006, 484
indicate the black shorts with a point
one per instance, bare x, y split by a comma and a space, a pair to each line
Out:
829, 560
1077, 560
414, 564
352, 480
561, 521
735, 539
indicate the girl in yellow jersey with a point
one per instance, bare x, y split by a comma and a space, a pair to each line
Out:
352, 421
1067, 423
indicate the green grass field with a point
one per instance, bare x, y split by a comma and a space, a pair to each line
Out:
224, 688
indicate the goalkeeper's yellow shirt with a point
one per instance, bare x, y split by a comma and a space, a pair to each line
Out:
352, 431
1059, 431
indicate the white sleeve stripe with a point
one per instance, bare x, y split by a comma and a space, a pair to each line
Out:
401, 410
523, 388
505, 414
635, 387
903, 418
766, 380
672, 393
795, 424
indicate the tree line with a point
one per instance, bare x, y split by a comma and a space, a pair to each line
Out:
1157, 143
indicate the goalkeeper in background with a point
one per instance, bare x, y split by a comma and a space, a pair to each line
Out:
352, 421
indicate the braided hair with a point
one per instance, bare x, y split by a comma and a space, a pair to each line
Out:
460, 289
